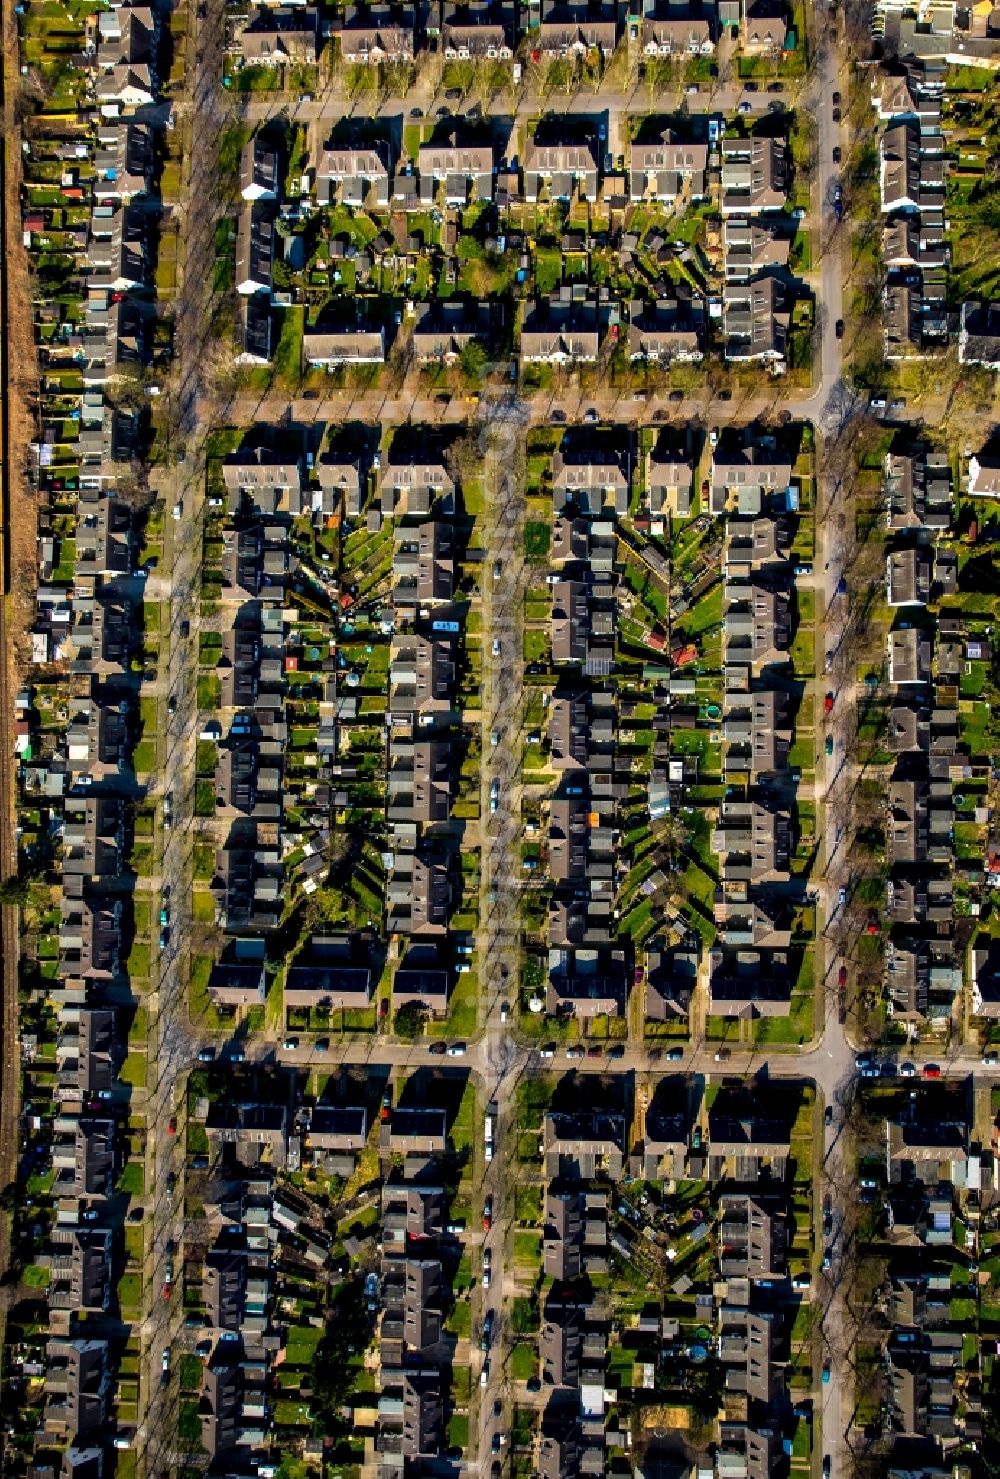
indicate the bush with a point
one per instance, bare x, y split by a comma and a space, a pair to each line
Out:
408, 1023
204, 799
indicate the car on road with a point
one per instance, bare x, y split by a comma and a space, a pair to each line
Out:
827, 1466
828, 1115
504, 1011
590, 416
675, 1055
494, 738
322, 1045
829, 744
828, 704
722, 1055
172, 704
484, 1375
497, 569
835, 99
487, 1267
548, 1051
826, 1373
178, 510
496, 648
908, 1070
487, 1335
164, 939
290, 1044
836, 115
836, 154
165, 1365
594, 1052
842, 976
438, 1049
744, 108
487, 1214
171, 1183
842, 895
574, 1052
990, 1060
172, 1125
497, 1442
534, 1384
457, 1050
618, 1051
207, 1055
932, 1070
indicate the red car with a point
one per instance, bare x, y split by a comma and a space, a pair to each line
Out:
828, 704
931, 1070
842, 976
487, 1214
172, 1126
168, 1289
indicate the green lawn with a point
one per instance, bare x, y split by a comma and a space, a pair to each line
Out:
527, 1249
144, 757
459, 1322
133, 1070
203, 906
130, 1291
132, 1181
523, 1361
537, 539
209, 691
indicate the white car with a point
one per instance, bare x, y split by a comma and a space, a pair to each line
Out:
179, 509
484, 1375
457, 1050
496, 647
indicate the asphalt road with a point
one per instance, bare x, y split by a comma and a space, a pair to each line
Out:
835, 527
499, 437
180, 484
